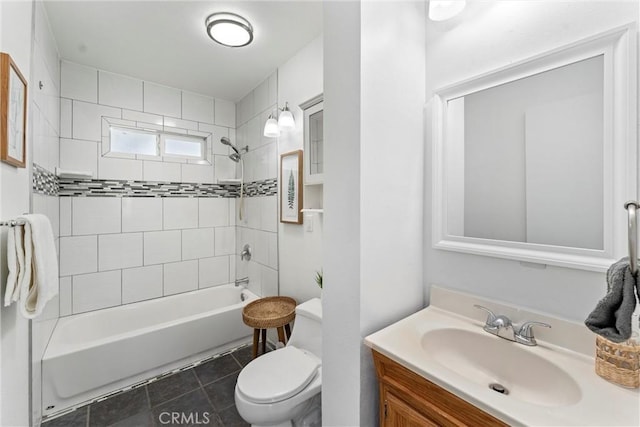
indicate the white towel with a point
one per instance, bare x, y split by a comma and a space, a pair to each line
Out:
35, 267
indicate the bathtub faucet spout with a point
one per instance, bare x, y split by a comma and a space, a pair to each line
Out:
244, 281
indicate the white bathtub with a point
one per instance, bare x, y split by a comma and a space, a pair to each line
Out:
95, 353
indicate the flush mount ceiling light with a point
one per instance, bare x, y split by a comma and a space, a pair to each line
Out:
229, 29
441, 10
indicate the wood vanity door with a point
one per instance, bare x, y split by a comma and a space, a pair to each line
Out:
397, 413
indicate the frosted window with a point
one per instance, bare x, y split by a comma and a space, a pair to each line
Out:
133, 141
183, 147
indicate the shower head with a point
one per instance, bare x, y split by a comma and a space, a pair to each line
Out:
235, 156
227, 141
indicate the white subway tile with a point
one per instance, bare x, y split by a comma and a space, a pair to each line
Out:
162, 100
142, 283
162, 246
78, 82
214, 271
161, 171
180, 213
224, 167
232, 212
66, 118
53, 209
269, 281
96, 291
273, 88
87, 119
65, 216
232, 268
272, 250
225, 241
241, 267
117, 251
65, 298
171, 123
96, 215
78, 255
142, 117
180, 277
197, 243
202, 174
225, 113
122, 169
261, 248
261, 96
119, 91
197, 107
213, 212
217, 132
255, 277
76, 155
255, 129
268, 213
141, 214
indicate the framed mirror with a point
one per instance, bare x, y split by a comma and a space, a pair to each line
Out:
313, 110
534, 161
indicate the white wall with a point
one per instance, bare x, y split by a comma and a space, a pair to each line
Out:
16, 38
511, 31
374, 96
300, 79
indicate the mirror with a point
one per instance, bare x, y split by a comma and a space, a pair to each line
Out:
531, 158
313, 140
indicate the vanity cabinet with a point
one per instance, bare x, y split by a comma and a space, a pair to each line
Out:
408, 400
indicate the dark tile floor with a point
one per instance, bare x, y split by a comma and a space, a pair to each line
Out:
200, 396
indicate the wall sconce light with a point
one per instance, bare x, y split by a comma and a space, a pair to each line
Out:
273, 127
441, 10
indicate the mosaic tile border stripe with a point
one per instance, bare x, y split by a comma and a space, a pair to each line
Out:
44, 182
117, 188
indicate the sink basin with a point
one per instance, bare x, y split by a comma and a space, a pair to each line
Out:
486, 359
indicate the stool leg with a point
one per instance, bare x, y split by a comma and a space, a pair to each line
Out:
264, 341
256, 336
288, 329
281, 335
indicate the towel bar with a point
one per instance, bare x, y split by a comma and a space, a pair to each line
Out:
631, 206
12, 223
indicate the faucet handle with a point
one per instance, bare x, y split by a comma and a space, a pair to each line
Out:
491, 317
525, 330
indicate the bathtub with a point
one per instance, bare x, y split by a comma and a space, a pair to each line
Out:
96, 353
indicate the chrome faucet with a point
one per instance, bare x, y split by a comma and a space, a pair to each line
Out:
246, 253
503, 327
243, 281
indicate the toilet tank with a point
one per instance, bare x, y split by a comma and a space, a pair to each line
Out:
307, 329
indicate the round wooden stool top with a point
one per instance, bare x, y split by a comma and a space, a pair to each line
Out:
269, 312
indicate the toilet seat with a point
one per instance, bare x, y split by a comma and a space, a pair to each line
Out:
278, 375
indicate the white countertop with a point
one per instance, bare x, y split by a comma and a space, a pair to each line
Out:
601, 403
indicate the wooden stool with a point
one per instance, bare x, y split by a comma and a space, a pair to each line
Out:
269, 312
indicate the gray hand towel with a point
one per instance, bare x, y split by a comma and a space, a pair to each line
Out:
612, 316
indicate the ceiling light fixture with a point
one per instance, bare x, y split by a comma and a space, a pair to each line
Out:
229, 29
441, 10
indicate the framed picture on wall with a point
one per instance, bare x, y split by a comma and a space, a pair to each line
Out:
13, 113
290, 191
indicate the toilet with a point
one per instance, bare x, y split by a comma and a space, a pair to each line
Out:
282, 387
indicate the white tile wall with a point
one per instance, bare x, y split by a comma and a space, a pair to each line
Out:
141, 283
65, 296
78, 255
213, 212
162, 247
180, 213
142, 117
96, 291
116, 251
161, 171
124, 169
65, 118
78, 82
65, 216
141, 214
76, 155
225, 241
119, 91
197, 243
225, 113
96, 215
214, 271
87, 119
198, 173
180, 277
162, 100
197, 107
269, 282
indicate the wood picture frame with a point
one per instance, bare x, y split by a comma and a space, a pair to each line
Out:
291, 193
13, 113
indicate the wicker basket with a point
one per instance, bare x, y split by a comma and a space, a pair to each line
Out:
618, 363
